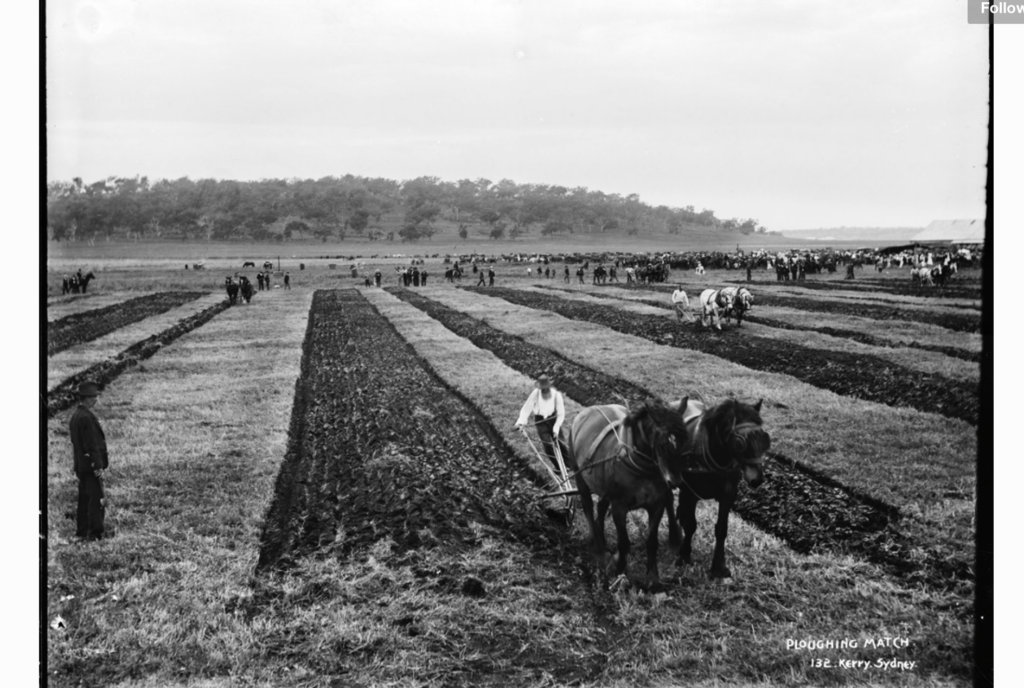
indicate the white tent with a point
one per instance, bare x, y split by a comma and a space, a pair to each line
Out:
953, 231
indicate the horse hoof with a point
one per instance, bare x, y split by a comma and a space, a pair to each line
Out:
721, 573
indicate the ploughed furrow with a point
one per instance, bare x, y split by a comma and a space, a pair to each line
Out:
86, 326
807, 509
958, 322
63, 395
887, 286
856, 375
852, 335
380, 447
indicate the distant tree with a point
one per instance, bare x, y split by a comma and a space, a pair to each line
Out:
295, 226
498, 230
359, 220
409, 232
463, 231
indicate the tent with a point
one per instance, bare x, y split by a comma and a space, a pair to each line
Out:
953, 232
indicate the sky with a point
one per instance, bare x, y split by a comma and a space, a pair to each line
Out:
798, 113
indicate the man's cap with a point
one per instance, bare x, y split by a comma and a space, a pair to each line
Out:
88, 389
544, 382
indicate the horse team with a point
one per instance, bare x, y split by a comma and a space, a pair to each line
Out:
730, 302
76, 284
636, 459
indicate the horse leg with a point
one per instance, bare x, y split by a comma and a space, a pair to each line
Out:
597, 541
718, 567
675, 537
619, 517
654, 514
687, 516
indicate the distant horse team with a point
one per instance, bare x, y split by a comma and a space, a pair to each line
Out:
243, 288
76, 284
933, 276
716, 304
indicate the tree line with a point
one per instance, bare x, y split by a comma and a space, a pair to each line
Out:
377, 208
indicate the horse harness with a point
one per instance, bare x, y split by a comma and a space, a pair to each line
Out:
627, 449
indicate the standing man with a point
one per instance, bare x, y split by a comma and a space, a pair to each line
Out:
287, 281
266, 278
483, 279
90, 460
567, 274
259, 279
490, 275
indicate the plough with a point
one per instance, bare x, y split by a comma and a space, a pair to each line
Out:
562, 479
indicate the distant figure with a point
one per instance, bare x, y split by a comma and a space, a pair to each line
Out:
186, 266
266, 278
287, 281
423, 277
483, 279
490, 275
579, 274
259, 279
567, 274
849, 271
376, 278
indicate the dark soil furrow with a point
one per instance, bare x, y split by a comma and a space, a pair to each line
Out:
958, 322
852, 335
889, 286
63, 395
856, 375
78, 328
810, 511
380, 447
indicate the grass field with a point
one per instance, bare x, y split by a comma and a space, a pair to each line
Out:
199, 435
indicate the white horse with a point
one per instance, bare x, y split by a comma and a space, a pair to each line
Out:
741, 301
922, 275
711, 300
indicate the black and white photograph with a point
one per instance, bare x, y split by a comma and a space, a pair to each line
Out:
521, 343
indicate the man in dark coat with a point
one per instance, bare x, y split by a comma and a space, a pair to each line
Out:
287, 281
90, 460
490, 276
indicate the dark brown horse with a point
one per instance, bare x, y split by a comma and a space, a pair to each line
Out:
728, 443
632, 459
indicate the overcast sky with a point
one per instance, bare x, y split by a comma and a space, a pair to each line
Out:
799, 113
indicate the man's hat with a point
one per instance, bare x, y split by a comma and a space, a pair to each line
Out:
544, 382
88, 389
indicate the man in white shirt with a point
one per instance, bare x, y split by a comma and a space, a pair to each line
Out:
545, 410
682, 304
